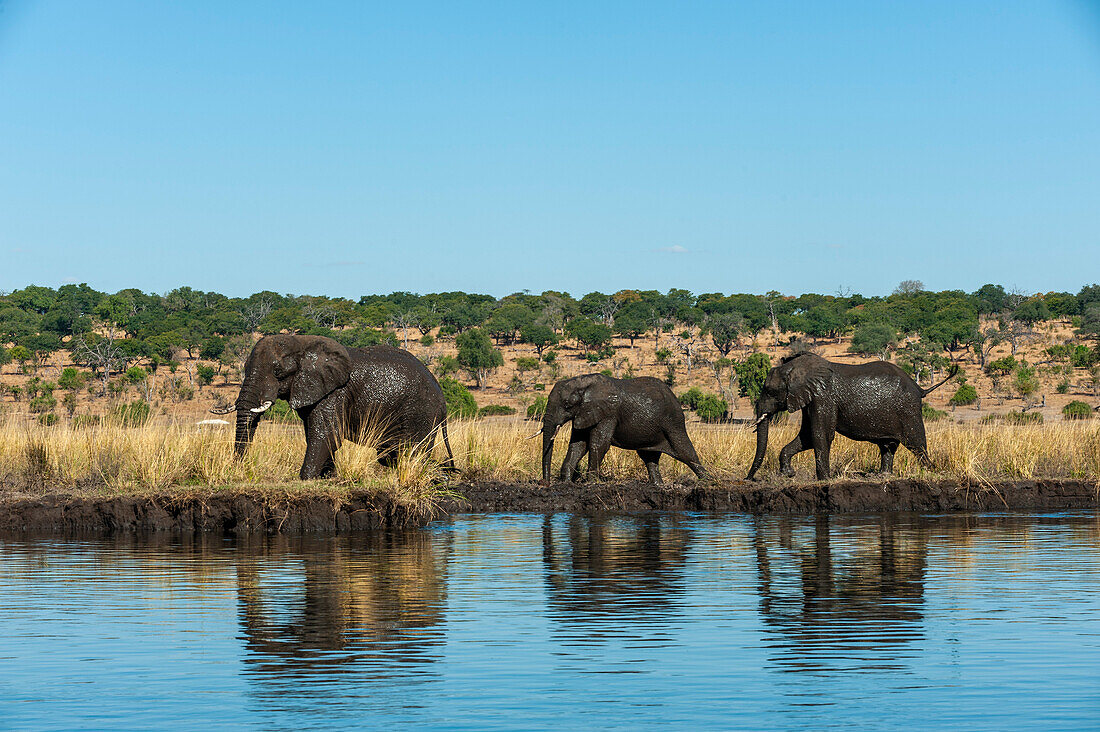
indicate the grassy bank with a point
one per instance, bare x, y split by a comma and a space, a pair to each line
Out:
115, 459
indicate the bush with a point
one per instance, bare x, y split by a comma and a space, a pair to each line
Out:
711, 409
43, 403
1001, 367
930, 413
1063, 387
136, 374
537, 408
134, 414
691, 397
1026, 382
1077, 410
539, 387
495, 410
527, 363
85, 420
71, 379
549, 357
965, 394
427, 340
203, 374
460, 402
1021, 418
49, 419
663, 355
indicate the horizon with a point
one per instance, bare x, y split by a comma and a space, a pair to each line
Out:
349, 149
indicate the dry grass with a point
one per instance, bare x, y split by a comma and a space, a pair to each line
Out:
115, 459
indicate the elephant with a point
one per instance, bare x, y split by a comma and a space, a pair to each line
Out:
871, 402
341, 393
635, 414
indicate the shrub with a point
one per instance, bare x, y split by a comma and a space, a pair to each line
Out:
539, 387
663, 355
537, 408
1026, 383
549, 357
446, 366
606, 352
691, 397
70, 403
930, 413
527, 363
592, 357
133, 414
48, 419
460, 402
43, 403
965, 394
1077, 410
71, 379
495, 410
203, 374
85, 420
1021, 418
477, 355
136, 374
1063, 387
427, 340
710, 408
1002, 366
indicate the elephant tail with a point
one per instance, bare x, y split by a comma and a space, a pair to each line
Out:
952, 372
449, 463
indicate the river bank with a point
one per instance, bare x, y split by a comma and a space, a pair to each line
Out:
305, 508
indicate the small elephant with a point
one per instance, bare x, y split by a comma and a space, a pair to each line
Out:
341, 393
635, 414
872, 402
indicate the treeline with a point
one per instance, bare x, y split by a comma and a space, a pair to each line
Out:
107, 330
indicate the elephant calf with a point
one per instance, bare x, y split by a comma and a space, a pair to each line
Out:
872, 402
635, 414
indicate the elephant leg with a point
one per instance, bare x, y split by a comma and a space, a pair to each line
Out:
322, 441
801, 442
684, 451
916, 443
823, 444
886, 455
599, 441
578, 446
651, 458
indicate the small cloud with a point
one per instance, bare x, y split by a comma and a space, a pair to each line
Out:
70, 281
674, 249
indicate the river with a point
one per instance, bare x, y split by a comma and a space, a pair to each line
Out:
481, 622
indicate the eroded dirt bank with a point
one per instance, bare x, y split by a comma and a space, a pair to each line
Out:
228, 512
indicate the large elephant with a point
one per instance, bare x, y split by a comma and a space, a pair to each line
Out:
872, 402
341, 393
635, 414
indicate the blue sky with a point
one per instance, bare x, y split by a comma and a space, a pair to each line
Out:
351, 148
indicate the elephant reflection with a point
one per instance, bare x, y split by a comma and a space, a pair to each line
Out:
601, 570
372, 606
859, 601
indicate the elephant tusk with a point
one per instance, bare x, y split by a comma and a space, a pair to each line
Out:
535, 435
223, 410
759, 419
262, 408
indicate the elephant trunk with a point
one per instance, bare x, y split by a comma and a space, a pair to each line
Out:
548, 433
247, 418
761, 444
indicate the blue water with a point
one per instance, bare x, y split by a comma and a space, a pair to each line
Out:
568, 622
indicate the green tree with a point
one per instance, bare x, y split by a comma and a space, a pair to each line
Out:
589, 334
477, 355
204, 375
751, 374
873, 339
539, 336
71, 379
725, 330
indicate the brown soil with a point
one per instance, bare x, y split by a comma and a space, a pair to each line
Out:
243, 513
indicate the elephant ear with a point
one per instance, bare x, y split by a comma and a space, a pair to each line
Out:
807, 380
323, 367
600, 402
